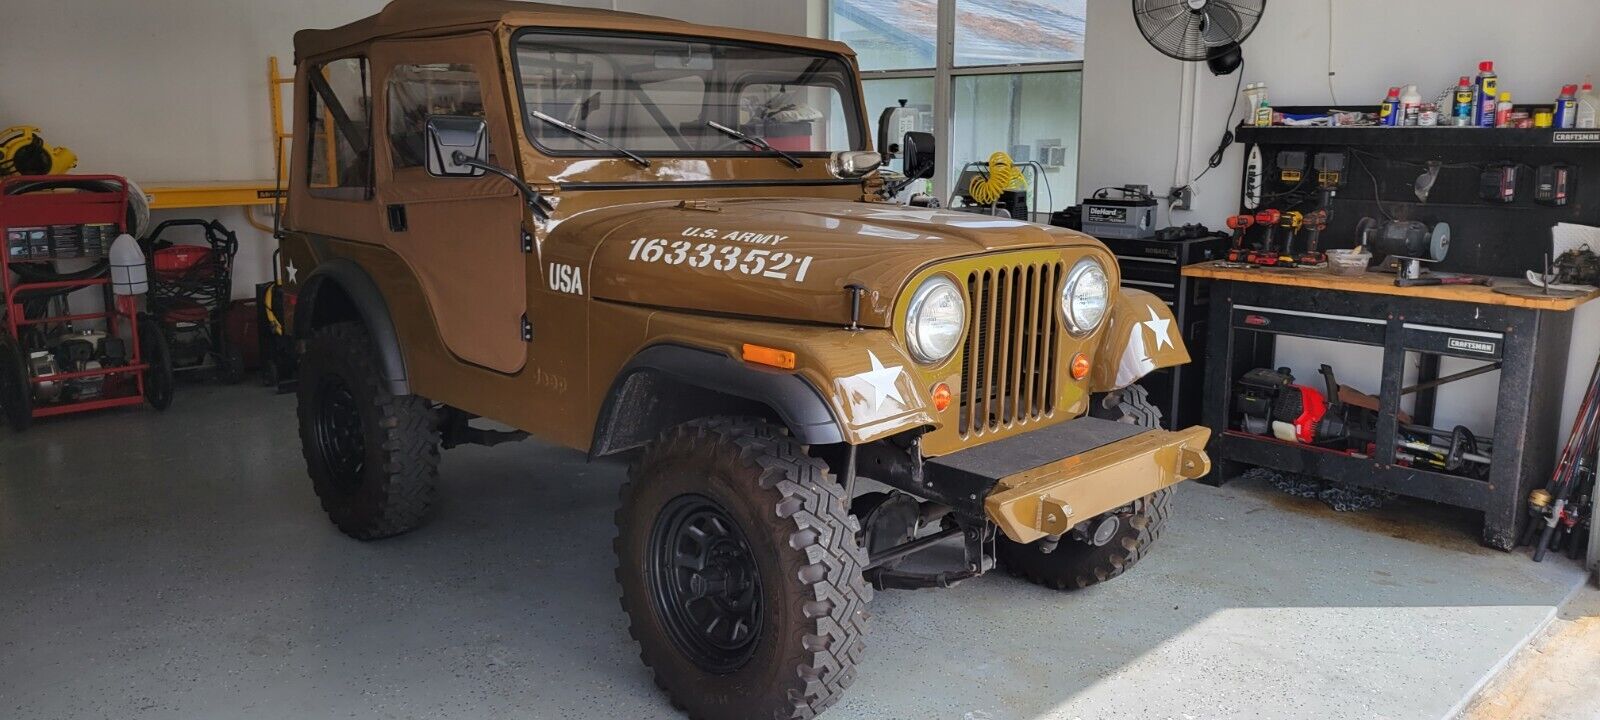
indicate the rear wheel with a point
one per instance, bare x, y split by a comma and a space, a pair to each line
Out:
740, 572
1108, 544
373, 457
16, 392
159, 384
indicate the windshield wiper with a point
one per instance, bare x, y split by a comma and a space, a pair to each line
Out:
755, 142
591, 137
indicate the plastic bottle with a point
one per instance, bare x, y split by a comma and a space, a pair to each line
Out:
1502, 111
1461, 112
1567, 107
1264, 108
1410, 106
1389, 111
1253, 95
1485, 92
1588, 103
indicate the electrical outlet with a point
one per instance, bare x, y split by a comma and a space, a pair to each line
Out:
1182, 198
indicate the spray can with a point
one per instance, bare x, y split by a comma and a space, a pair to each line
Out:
1264, 109
1389, 111
1461, 113
1502, 111
1486, 94
1588, 103
1410, 106
1567, 107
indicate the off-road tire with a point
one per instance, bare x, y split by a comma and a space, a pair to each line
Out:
16, 392
802, 543
393, 485
1075, 564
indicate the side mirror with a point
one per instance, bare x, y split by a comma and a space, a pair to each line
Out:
457, 146
917, 150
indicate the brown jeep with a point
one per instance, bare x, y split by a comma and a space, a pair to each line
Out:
636, 236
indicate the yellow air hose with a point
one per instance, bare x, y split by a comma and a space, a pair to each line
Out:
1003, 176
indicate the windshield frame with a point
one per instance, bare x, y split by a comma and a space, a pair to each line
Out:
852, 96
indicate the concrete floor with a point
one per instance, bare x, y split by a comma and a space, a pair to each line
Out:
177, 566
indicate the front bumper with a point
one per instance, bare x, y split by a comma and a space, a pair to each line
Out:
1044, 482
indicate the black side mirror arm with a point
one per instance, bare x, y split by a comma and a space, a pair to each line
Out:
536, 202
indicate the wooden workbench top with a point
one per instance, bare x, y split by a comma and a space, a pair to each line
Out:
1381, 284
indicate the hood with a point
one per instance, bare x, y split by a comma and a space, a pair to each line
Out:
783, 259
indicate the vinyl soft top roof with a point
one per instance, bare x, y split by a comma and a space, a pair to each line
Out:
431, 18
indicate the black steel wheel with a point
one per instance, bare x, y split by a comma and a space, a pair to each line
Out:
1110, 543
373, 456
16, 393
740, 572
159, 383
705, 583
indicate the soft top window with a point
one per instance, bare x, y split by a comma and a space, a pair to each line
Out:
658, 96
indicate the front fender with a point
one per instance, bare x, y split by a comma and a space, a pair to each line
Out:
1141, 336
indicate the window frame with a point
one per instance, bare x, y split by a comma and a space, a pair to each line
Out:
851, 94
314, 104
944, 74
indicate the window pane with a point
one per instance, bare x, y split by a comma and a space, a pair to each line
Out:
417, 91
1002, 32
340, 151
659, 95
1031, 116
883, 94
886, 35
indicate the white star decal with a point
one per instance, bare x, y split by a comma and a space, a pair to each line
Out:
291, 271
883, 381
1162, 328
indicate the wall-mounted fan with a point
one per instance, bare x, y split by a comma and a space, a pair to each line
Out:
1195, 30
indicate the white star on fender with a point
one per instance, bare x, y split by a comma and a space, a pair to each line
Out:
291, 270
1162, 328
882, 381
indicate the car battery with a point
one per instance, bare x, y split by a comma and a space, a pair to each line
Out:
21, 240
1129, 218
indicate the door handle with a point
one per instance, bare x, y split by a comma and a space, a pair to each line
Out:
397, 218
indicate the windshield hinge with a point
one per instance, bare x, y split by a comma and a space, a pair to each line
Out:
527, 329
527, 242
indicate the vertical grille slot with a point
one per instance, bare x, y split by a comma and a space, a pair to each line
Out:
1008, 376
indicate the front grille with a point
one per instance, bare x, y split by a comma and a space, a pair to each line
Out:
1008, 376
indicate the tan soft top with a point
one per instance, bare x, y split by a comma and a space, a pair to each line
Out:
428, 18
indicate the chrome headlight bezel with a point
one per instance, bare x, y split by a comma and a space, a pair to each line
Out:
854, 163
924, 349
1087, 268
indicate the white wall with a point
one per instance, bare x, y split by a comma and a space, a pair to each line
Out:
176, 89
1131, 120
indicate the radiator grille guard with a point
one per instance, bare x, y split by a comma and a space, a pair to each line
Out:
1008, 374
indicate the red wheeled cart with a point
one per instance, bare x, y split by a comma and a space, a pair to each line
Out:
50, 364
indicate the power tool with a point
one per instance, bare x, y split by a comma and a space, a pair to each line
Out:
1292, 220
1267, 254
1314, 223
1272, 404
1239, 224
24, 152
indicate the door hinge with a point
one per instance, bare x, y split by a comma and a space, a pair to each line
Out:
527, 243
527, 329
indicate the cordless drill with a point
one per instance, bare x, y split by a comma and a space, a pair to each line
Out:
1239, 224
1315, 223
1292, 220
1267, 254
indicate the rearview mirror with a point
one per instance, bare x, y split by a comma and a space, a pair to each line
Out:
917, 151
454, 143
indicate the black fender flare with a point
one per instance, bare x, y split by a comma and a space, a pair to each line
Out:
794, 400
349, 278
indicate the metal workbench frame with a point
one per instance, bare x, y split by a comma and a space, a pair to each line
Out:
1531, 344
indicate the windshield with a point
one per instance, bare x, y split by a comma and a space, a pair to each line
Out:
659, 96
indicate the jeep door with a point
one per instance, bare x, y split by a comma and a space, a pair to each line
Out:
460, 236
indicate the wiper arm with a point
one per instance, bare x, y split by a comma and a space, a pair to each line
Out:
591, 137
755, 142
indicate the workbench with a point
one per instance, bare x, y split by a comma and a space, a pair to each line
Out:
1527, 336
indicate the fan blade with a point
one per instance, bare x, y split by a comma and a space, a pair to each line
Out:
1242, 11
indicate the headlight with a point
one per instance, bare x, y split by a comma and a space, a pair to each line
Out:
1085, 296
934, 320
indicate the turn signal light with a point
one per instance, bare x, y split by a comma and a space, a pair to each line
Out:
774, 357
941, 396
1080, 366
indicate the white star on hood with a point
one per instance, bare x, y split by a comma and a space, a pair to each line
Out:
1162, 328
883, 381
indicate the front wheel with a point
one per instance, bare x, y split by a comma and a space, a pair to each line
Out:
373, 456
1108, 544
16, 390
740, 572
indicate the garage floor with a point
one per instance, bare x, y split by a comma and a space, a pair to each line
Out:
177, 566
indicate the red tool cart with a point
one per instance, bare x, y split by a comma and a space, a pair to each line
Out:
54, 361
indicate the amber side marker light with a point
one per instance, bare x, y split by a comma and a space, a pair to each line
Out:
1080, 366
774, 357
941, 396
